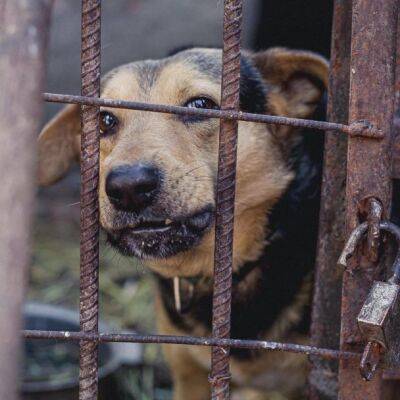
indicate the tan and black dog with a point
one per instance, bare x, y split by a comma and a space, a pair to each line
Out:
157, 197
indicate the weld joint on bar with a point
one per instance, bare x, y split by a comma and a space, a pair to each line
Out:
363, 128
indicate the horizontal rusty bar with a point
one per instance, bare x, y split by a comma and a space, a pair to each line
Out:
190, 340
358, 128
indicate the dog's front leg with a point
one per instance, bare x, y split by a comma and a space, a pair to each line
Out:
190, 381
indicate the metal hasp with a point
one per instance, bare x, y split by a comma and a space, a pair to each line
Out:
372, 78
89, 244
370, 359
23, 38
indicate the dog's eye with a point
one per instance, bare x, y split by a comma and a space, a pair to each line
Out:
198, 102
108, 122
201, 102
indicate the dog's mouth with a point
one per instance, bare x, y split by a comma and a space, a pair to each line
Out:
153, 226
161, 237
198, 221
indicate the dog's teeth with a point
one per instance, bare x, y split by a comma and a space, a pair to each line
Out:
168, 221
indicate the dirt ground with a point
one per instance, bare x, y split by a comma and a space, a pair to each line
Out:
132, 30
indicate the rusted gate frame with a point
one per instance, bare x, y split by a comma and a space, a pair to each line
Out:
325, 327
23, 42
366, 31
89, 336
369, 174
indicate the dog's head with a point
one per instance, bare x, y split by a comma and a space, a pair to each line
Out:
158, 171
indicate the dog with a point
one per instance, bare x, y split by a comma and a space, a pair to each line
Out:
157, 191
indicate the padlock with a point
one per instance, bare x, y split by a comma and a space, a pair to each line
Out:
379, 323
379, 318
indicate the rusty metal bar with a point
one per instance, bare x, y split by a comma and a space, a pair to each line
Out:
374, 216
225, 199
396, 148
357, 128
23, 40
89, 248
396, 122
372, 67
325, 327
190, 340
356, 237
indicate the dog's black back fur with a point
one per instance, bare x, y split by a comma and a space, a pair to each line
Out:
284, 265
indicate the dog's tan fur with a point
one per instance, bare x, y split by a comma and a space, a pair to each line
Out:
188, 154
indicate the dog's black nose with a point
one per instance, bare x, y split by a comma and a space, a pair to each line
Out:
132, 187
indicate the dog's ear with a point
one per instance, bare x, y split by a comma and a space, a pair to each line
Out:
58, 145
297, 79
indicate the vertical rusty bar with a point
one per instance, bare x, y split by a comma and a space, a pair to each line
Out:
23, 38
396, 123
325, 327
90, 141
368, 167
224, 219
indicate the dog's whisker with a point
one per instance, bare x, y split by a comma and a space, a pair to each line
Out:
73, 204
191, 170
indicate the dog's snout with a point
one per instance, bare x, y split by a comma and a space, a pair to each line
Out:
132, 187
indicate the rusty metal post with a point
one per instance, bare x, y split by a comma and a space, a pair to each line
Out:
325, 327
90, 144
396, 123
23, 38
225, 202
372, 68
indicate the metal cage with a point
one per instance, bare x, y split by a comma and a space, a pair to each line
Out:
362, 101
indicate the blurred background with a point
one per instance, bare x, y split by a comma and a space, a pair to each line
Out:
131, 30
